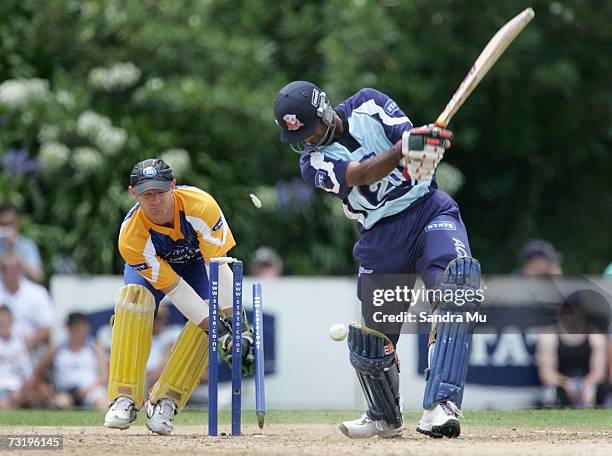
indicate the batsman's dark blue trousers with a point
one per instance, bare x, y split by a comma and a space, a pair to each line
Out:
422, 240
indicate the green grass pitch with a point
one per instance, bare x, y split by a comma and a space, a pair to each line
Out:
520, 418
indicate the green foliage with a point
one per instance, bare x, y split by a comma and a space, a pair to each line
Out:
120, 81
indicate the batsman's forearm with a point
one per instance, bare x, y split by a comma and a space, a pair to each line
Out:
374, 169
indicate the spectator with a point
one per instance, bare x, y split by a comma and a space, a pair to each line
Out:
15, 363
12, 239
540, 259
79, 368
572, 360
266, 263
29, 302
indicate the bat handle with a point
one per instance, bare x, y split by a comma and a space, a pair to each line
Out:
440, 124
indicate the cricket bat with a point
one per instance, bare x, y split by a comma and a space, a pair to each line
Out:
487, 58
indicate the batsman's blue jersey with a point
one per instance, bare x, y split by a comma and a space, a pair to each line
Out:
375, 122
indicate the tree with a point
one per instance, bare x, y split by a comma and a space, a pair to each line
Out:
91, 87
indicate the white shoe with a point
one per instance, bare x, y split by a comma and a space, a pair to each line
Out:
161, 416
441, 421
120, 413
365, 427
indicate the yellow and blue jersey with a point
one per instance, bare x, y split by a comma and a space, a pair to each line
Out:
199, 232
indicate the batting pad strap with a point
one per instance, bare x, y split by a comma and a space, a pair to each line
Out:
190, 304
373, 356
131, 342
188, 361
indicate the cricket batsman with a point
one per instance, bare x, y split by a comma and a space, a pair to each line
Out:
366, 152
167, 240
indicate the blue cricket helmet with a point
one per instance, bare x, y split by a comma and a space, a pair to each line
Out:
295, 111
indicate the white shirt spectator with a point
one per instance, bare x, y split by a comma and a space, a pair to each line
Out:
75, 369
79, 368
15, 362
31, 305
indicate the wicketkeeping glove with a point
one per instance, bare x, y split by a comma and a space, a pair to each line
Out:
423, 149
247, 339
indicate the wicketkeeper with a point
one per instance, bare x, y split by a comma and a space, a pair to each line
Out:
167, 241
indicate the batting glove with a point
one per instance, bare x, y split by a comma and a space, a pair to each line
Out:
422, 150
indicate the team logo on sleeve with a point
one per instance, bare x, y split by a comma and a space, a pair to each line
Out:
323, 181
139, 267
219, 224
391, 107
293, 123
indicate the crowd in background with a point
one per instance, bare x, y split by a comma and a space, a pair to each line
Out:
574, 363
575, 360
38, 372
